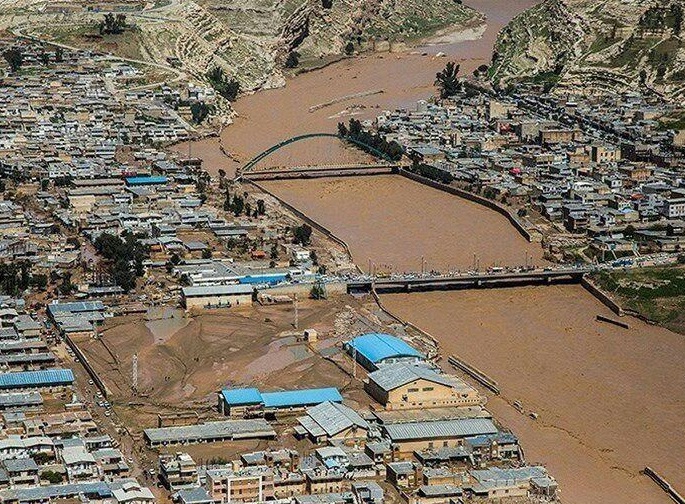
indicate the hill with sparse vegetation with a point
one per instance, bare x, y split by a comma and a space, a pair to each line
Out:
587, 46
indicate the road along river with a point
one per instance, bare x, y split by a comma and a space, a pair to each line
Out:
610, 400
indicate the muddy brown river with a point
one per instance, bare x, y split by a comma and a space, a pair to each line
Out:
610, 401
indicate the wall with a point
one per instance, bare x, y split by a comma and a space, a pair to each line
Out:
531, 236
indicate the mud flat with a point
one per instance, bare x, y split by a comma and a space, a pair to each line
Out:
267, 117
610, 400
395, 222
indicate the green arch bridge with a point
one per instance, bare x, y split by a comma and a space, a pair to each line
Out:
252, 162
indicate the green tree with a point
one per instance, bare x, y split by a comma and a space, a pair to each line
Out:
447, 81
261, 208
302, 234
51, 476
199, 111
113, 24
227, 88
14, 57
349, 48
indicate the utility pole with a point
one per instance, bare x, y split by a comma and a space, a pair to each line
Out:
296, 314
134, 373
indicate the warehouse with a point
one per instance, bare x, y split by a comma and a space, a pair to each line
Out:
20, 401
243, 402
210, 432
404, 386
374, 350
332, 421
47, 378
216, 296
406, 438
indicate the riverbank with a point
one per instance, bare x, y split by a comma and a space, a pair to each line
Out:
396, 224
609, 399
268, 117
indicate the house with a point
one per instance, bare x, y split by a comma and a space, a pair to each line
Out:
405, 386
178, 471
22, 471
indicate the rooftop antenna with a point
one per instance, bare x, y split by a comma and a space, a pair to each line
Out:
134, 373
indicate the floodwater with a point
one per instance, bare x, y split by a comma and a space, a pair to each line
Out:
394, 222
610, 401
268, 117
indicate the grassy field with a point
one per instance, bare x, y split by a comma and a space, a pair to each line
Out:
656, 293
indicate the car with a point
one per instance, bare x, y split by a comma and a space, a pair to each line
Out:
107, 413
90, 382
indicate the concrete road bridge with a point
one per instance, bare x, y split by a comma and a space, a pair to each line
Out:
474, 281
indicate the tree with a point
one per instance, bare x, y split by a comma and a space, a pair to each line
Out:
318, 291
302, 234
643, 76
292, 60
59, 54
261, 208
44, 58
14, 57
199, 111
327, 4
113, 24
447, 81
66, 287
207, 253
677, 11
227, 88
349, 48
52, 476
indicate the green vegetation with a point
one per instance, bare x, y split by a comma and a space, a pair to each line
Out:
302, 235
52, 477
392, 150
227, 88
447, 81
125, 257
656, 293
112, 24
16, 277
14, 58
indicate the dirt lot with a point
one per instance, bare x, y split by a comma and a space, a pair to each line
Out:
183, 362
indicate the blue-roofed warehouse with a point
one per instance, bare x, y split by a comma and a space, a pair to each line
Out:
373, 350
46, 378
243, 402
140, 181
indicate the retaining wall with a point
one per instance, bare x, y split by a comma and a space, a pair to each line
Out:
86, 364
492, 205
602, 296
301, 215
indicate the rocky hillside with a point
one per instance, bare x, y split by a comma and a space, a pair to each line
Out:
594, 47
249, 39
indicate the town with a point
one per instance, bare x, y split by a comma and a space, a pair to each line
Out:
171, 331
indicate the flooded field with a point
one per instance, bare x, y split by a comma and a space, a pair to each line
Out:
610, 400
394, 222
267, 117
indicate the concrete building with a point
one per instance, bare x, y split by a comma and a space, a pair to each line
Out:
250, 402
250, 484
374, 350
407, 438
404, 386
331, 421
216, 295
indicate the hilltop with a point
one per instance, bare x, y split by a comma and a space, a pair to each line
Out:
250, 39
591, 47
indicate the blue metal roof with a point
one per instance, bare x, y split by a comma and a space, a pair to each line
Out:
263, 279
146, 180
36, 378
286, 399
294, 398
242, 396
378, 346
